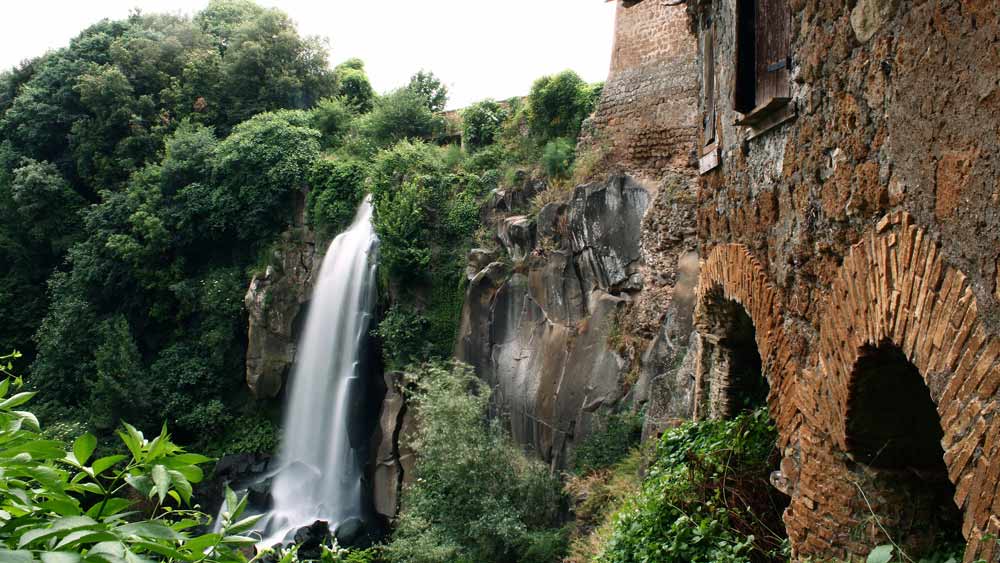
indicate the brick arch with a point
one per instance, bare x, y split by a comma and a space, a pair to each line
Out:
895, 287
732, 273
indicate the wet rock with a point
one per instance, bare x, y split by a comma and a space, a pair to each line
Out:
350, 532
312, 538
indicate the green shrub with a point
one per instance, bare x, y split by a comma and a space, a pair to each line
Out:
336, 189
557, 158
332, 117
402, 114
430, 89
403, 333
557, 105
354, 86
609, 443
64, 503
706, 498
475, 496
481, 124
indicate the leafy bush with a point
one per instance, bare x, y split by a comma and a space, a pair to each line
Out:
402, 114
403, 333
481, 124
333, 117
608, 444
336, 189
475, 496
557, 105
260, 165
64, 504
706, 498
557, 158
430, 89
354, 85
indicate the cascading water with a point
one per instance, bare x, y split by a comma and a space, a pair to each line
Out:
319, 475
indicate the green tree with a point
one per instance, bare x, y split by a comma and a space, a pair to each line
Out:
354, 86
336, 188
402, 114
557, 105
259, 167
430, 89
481, 124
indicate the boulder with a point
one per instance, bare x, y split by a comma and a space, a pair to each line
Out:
350, 532
312, 538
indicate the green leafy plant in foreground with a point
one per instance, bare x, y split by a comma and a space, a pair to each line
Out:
60, 503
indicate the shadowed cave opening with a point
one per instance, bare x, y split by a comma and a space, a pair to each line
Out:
734, 383
894, 431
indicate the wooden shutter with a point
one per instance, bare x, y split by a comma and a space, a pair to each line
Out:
772, 50
746, 60
708, 82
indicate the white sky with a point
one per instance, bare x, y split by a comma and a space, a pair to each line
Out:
479, 48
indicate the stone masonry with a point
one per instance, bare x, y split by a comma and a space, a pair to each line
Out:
867, 217
644, 123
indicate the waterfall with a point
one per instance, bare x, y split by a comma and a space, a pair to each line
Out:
320, 472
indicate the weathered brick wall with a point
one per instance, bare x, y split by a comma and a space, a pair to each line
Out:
872, 218
645, 120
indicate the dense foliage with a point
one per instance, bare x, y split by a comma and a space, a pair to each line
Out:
140, 170
59, 502
706, 498
476, 497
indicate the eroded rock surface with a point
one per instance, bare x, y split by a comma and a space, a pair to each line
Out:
276, 303
543, 325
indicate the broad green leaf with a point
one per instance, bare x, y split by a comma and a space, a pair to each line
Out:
141, 483
62, 507
81, 537
133, 440
161, 479
192, 473
186, 459
113, 506
37, 449
61, 557
4, 387
84, 447
201, 543
160, 549
881, 554
17, 400
16, 556
113, 548
153, 529
245, 524
231, 500
103, 464
181, 485
239, 540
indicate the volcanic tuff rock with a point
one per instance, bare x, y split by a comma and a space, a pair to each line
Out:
545, 331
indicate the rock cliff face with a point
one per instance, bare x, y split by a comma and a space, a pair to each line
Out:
276, 303
546, 325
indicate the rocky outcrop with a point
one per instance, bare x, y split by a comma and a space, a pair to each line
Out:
393, 459
587, 312
276, 304
539, 325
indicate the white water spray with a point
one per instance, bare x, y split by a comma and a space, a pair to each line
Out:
320, 472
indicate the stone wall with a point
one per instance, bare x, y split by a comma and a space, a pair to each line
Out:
644, 123
870, 220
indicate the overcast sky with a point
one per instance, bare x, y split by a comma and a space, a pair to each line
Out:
479, 48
